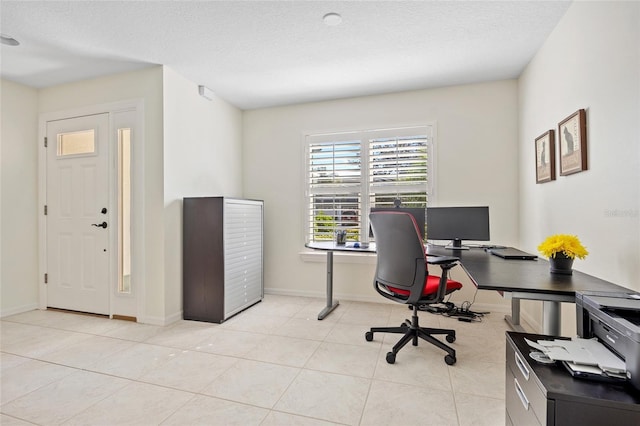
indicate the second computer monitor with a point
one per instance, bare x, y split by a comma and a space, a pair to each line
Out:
457, 224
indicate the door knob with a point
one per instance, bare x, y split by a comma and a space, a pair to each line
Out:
100, 225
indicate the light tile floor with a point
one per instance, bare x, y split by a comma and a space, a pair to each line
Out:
273, 364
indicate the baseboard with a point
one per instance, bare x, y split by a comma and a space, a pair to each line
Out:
161, 321
323, 295
288, 292
529, 323
18, 310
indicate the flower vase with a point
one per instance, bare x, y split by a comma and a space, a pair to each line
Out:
561, 264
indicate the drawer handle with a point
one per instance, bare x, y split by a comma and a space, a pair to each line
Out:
521, 394
522, 366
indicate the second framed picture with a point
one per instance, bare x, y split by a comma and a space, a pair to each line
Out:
545, 157
572, 134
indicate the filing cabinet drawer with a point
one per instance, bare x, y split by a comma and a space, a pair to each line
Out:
519, 409
522, 386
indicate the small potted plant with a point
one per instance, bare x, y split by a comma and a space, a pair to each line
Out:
562, 249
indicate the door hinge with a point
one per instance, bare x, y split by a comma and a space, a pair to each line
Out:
45, 209
45, 141
46, 278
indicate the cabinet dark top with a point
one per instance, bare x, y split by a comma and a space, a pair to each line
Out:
557, 383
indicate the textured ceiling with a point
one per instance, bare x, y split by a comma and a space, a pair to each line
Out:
264, 53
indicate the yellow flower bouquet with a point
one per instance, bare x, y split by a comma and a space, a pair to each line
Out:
569, 245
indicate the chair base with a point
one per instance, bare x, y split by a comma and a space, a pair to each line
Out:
412, 331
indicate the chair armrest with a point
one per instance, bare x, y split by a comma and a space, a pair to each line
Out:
440, 260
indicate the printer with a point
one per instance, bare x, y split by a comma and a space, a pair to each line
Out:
614, 319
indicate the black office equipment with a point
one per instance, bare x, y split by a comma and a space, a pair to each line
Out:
614, 319
598, 376
457, 224
402, 276
512, 253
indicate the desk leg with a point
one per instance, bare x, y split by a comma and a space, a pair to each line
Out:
551, 316
331, 305
514, 319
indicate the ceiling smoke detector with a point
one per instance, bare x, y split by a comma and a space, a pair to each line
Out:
8, 40
332, 19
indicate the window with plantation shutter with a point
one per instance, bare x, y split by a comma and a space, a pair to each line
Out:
349, 173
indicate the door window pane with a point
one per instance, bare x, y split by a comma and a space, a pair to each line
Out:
76, 143
124, 213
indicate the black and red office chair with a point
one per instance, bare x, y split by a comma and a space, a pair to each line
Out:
402, 276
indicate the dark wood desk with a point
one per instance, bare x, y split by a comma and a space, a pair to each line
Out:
526, 279
513, 279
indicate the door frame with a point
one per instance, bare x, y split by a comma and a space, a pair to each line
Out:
137, 195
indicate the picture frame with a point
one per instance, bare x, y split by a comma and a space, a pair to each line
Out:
572, 138
545, 157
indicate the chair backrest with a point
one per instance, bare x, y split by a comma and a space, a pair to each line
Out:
401, 257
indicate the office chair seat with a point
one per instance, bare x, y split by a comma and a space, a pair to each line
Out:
402, 276
430, 287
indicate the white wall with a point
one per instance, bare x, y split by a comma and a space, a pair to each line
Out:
147, 85
192, 147
202, 157
18, 198
590, 61
485, 135
476, 150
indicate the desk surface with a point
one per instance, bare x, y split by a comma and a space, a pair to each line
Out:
491, 272
520, 279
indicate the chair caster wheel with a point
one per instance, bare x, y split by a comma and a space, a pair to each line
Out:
391, 357
451, 338
404, 325
450, 360
369, 336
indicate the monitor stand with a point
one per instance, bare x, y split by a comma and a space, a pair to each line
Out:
456, 244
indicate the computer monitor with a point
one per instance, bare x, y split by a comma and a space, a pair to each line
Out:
457, 224
418, 214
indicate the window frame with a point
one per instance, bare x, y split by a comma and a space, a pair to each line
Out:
364, 188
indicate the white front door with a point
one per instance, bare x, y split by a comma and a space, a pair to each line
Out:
77, 220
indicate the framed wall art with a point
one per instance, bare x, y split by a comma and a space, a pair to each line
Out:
545, 157
572, 137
